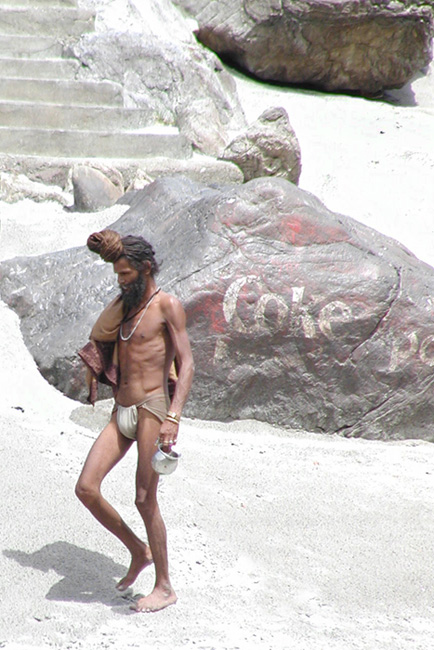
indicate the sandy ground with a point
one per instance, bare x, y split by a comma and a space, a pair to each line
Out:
277, 539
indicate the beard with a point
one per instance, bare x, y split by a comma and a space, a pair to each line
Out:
132, 293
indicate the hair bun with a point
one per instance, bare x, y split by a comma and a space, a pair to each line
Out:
106, 243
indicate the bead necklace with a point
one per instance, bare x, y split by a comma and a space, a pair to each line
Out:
145, 309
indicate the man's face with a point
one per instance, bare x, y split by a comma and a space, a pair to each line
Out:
131, 282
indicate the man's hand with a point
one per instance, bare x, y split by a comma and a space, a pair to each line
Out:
168, 435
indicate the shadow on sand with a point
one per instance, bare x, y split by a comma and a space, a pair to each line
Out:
88, 576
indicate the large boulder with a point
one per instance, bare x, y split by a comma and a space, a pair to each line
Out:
334, 45
297, 316
162, 70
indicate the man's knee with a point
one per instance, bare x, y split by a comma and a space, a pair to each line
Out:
86, 492
145, 503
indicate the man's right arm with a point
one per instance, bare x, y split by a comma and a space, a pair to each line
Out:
175, 319
176, 324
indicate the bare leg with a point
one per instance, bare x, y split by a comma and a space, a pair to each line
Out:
163, 594
106, 452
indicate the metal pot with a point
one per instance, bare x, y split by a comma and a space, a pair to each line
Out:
165, 462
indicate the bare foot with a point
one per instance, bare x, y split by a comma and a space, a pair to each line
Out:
139, 561
158, 599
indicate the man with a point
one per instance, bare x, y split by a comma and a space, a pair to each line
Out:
151, 333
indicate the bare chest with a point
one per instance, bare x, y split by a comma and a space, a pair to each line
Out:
143, 327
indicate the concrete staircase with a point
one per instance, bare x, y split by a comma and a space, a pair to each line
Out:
45, 111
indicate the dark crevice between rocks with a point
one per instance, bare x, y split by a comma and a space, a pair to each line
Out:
381, 412
180, 280
359, 423
235, 67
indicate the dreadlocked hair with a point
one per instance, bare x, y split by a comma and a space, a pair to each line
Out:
107, 244
137, 251
111, 247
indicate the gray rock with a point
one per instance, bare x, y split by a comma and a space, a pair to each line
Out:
298, 316
16, 187
58, 171
94, 190
269, 147
174, 84
203, 169
345, 45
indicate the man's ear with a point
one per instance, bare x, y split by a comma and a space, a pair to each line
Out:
146, 267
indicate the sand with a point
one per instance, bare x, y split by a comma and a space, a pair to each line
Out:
277, 539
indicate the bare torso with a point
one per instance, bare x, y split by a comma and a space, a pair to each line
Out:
146, 357
151, 339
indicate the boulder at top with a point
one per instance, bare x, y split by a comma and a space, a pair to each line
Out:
344, 45
297, 316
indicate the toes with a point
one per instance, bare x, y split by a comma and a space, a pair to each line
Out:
124, 584
134, 608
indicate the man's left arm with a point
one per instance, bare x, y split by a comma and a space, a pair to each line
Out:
175, 319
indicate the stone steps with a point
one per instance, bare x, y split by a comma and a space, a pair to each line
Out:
96, 144
38, 3
63, 117
47, 112
38, 47
51, 91
22, 68
69, 21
